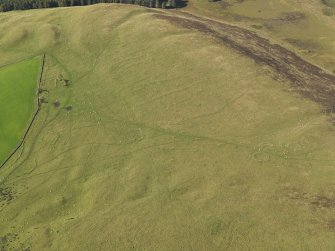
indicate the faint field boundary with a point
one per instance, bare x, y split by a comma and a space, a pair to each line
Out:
39, 81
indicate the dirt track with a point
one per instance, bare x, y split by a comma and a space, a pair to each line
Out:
307, 79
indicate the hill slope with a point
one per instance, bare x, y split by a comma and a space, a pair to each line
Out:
158, 136
304, 26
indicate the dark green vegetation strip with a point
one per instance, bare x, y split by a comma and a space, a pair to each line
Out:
16, 105
9, 5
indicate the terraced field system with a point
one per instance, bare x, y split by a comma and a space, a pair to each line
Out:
168, 130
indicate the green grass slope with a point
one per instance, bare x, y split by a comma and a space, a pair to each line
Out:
164, 139
305, 26
18, 84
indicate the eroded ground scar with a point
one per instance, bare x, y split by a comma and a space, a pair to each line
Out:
308, 80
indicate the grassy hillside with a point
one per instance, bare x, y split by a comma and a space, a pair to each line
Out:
163, 138
304, 26
18, 84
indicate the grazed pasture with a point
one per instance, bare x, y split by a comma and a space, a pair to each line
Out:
158, 136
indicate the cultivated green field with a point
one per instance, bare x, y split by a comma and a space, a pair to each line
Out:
18, 84
163, 138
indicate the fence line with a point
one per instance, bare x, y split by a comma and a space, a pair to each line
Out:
32, 120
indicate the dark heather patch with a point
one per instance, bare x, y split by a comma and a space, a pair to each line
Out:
6, 195
308, 80
292, 16
56, 104
322, 201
